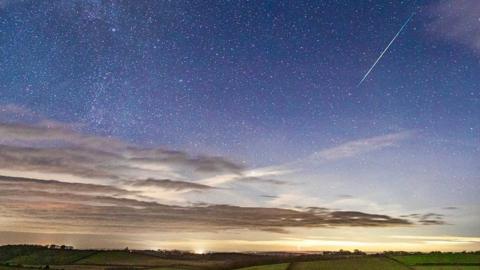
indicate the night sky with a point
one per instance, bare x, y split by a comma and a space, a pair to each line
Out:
240, 110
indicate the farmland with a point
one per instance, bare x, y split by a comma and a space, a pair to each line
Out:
363, 263
441, 261
439, 258
22, 257
279, 266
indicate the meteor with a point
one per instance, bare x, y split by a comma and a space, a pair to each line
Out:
383, 52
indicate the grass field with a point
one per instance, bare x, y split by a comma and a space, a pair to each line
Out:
280, 266
121, 258
126, 258
107, 267
9, 252
364, 263
51, 257
443, 258
10, 268
166, 268
78, 267
23, 257
97, 260
447, 267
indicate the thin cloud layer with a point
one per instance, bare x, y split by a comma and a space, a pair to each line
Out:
59, 150
73, 207
252, 179
18, 183
13, 110
122, 187
427, 219
457, 21
77, 207
168, 184
357, 147
15, 133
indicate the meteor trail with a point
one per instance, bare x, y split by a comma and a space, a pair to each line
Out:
383, 52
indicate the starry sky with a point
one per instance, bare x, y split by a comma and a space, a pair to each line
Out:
240, 125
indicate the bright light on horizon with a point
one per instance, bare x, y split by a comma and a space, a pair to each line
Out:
199, 251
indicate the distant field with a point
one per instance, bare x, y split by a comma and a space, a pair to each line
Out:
281, 266
165, 268
10, 268
449, 267
364, 263
137, 259
79, 267
121, 258
106, 267
24, 257
443, 258
51, 257
97, 260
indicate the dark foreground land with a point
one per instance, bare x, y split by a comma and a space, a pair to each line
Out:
21, 257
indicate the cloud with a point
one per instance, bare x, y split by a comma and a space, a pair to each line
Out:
269, 196
440, 238
207, 164
260, 180
54, 149
19, 183
34, 134
60, 179
14, 110
253, 176
70, 209
362, 146
426, 219
431, 219
49, 151
345, 196
346, 150
86, 163
458, 21
168, 184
